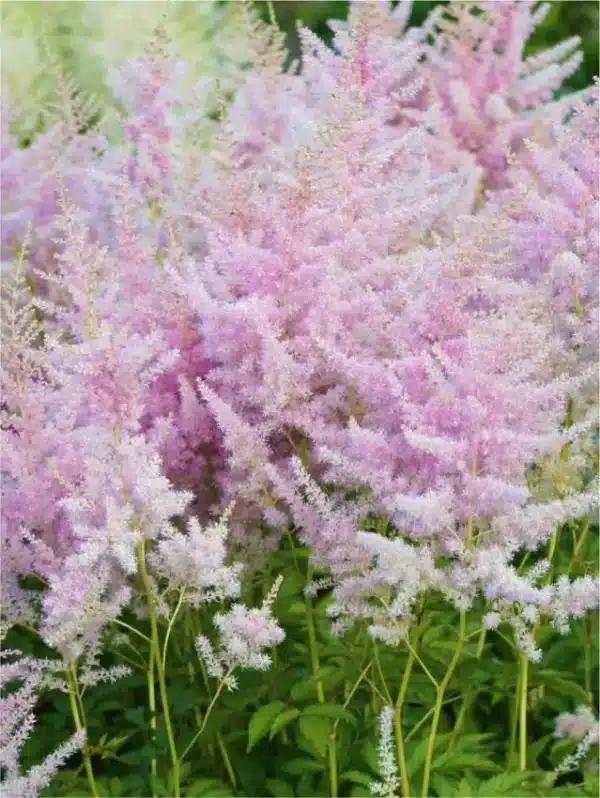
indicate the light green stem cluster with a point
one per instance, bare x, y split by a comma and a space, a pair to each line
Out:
80, 724
158, 665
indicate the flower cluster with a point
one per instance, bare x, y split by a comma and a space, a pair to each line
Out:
17, 719
377, 279
388, 788
581, 725
243, 633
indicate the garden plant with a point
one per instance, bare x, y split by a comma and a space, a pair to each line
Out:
299, 412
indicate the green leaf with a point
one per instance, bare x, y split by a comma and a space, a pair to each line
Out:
159, 788
208, 787
282, 720
135, 716
331, 711
261, 721
371, 756
315, 730
296, 767
297, 608
279, 788
356, 777
307, 688
503, 784
454, 761
535, 749
303, 690
442, 785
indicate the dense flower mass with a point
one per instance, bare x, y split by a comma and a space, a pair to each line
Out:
372, 292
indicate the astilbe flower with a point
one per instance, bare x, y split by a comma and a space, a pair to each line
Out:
582, 725
556, 178
196, 562
490, 91
30, 179
432, 378
243, 633
336, 204
576, 724
17, 719
390, 784
326, 296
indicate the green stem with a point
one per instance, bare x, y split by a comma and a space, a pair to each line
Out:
514, 724
207, 713
76, 710
155, 644
152, 706
470, 696
524, 668
398, 726
416, 657
381, 676
587, 659
132, 629
170, 627
226, 760
316, 672
578, 546
426, 717
220, 741
439, 703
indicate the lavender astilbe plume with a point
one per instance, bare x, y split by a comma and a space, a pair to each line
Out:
490, 91
327, 299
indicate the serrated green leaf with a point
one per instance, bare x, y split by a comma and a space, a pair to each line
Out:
443, 785
296, 767
456, 761
261, 721
330, 711
281, 721
502, 784
206, 787
315, 730
279, 788
356, 777
370, 756
303, 690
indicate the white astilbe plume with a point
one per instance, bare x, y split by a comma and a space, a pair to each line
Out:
582, 725
17, 719
385, 594
576, 724
196, 562
388, 787
243, 633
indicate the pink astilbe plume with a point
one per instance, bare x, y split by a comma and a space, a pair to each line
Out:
243, 633
555, 221
490, 91
378, 280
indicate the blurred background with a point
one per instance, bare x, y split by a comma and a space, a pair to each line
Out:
89, 41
